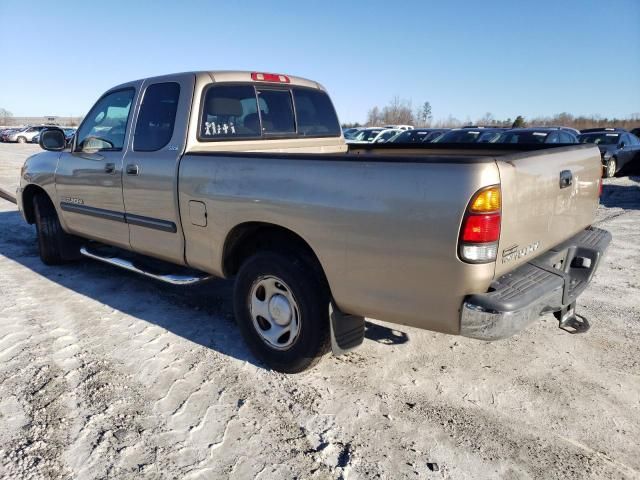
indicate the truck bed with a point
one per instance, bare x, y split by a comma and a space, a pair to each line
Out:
384, 220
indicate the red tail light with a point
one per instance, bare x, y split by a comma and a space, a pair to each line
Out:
480, 230
270, 77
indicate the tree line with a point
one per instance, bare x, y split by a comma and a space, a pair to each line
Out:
401, 112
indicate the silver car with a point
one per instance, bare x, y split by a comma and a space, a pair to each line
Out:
26, 134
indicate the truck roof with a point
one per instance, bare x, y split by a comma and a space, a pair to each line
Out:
236, 76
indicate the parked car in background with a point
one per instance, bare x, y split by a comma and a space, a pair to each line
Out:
385, 135
601, 129
350, 132
538, 135
471, 135
635, 131
5, 132
366, 135
418, 135
400, 127
25, 135
617, 146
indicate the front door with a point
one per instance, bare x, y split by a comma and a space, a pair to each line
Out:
150, 178
89, 177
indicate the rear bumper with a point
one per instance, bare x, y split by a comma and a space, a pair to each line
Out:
548, 283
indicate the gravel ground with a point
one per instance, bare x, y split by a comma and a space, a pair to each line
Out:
104, 374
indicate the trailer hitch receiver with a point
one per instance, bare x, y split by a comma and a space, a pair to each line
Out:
570, 321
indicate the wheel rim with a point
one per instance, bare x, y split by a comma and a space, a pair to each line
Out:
274, 312
611, 168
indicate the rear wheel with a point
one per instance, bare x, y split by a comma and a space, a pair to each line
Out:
54, 244
282, 310
610, 168
22, 140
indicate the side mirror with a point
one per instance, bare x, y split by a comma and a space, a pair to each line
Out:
52, 139
621, 145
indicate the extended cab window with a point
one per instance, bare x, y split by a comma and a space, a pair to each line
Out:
230, 112
105, 126
315, 113
157, 117
258, 111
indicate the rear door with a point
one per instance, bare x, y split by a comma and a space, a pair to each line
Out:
150, 170
547, 197
89, 176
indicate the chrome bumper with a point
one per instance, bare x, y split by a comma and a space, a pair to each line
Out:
548, 283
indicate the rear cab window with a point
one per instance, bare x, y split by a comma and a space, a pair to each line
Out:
256, 111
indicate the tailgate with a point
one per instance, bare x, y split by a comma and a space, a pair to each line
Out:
547, 197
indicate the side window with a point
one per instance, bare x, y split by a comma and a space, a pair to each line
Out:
230, 112
105, 126
157, 117
315, 113
634, 140
566, 138
276, 111
553, 138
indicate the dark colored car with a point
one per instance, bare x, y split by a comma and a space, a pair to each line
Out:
619, 149
471, 135
635, 131
418, 135
538, 135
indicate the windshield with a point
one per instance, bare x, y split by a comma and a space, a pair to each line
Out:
366, 135
600, 138
523, 137
411, 136
460, 136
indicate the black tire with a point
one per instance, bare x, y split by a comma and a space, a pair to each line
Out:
54, 244
610, 168
22, 140
312, 300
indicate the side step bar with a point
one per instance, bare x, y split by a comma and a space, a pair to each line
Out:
172, 278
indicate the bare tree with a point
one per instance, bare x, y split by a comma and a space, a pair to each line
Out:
374, 117
398, 112
4, 115
487, 119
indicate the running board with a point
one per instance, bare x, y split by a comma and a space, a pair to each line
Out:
172, 278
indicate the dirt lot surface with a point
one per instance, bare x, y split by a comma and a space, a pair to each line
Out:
104, 374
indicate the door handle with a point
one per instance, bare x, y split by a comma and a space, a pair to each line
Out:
566, 178
132, 169
110, 167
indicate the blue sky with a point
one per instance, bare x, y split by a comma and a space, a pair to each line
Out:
465, 57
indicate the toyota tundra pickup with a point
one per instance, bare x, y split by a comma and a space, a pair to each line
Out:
246, 175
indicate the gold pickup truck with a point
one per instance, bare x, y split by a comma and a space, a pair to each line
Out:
246, 174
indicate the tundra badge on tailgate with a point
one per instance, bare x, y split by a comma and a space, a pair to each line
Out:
515, 252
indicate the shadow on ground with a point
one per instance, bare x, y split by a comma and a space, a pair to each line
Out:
205, 311
622, 196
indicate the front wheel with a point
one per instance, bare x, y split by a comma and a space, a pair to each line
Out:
282, 310
22, 140
610, 168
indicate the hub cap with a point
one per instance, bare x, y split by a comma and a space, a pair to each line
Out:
274, 312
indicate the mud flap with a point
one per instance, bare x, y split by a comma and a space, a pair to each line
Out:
347, 331
570, 321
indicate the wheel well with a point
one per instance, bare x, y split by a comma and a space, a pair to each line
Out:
28, 194
248, 238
